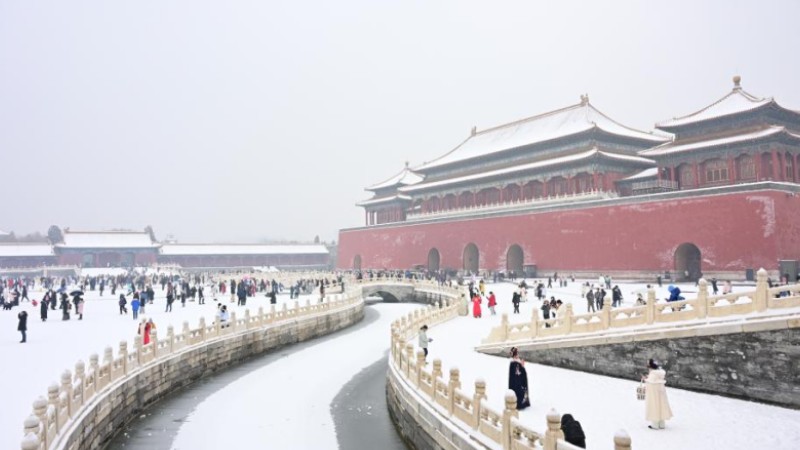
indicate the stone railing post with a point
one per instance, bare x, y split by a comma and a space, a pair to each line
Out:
108, 357
260, 316
553, 433
622, 441
233, 324
504, 327
480, 394
436, 374
186, 332
52, 399
137, 345
40, 410
567, 322
80, 376
420, 366
247, 319
66, 388
271, 318
701, 304
171, 339
761, 302
453, 384
31, 426
154, 342
123, 354
509, 411
94, 365
409, 358
605, 313
650, 308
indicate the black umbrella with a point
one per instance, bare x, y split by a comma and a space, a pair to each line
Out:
76, 293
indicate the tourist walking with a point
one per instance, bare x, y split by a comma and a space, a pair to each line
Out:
476, 306
79, 307
590, 301
43, 307
515, 301
492, 302
518, 379
424, 340
122, 303
22, 326
135, 307
657, 410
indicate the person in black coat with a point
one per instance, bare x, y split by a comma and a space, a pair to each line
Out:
64, 307
518, 379
573, 432
43, 307
22, 327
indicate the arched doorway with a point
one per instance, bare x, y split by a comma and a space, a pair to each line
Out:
687, 262
471, 258
514, 259
357, 262
433, 260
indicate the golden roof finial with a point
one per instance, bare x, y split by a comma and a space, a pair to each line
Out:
737, 82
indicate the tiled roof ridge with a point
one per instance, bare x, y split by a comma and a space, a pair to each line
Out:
737, 90
398, 175
535, 117
607, 117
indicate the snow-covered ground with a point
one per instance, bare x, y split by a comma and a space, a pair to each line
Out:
603, 404
56, 345
303, 384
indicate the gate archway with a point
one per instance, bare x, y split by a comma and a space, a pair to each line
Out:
514, 259
688, 262
471, 258
357, 262
433, 259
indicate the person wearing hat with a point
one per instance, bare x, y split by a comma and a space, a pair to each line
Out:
424, 340
657, 410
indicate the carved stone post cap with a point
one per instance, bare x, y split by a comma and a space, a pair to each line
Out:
511, 400
409, 346
437, 364
762, 273
93, 358
420, 355
31, 422
80, 366
52, 389
123, 344
480, 383
553, 417
66, 376
454, 372
40, 402
30, 442
621, 437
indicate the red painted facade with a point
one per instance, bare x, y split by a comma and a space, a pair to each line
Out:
734, 232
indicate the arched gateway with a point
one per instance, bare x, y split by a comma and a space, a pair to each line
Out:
433, 259
687, 262
471, 258
514, 259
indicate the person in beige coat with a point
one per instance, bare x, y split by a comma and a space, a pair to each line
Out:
657, 410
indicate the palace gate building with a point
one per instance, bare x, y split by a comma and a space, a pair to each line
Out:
714, 192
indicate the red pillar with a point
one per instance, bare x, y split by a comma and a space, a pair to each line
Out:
776, 167
658, 173
731, 170
501, 194
596, 180
544, 188
757, 161
366, 217
696, 174
795, 169
474, 199
672, 173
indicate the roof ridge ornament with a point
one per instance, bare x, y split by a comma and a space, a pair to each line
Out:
474, 130
737, 83
584, 99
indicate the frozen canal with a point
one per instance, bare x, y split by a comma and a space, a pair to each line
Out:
328, 393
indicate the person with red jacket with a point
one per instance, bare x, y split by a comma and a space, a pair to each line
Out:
492, 302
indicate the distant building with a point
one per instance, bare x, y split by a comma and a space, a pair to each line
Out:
137, 248
574, 191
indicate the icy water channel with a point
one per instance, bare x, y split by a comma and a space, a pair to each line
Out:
218, 410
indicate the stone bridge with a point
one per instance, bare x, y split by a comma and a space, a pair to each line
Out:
402, 291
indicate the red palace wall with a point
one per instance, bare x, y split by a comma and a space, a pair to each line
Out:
734, 232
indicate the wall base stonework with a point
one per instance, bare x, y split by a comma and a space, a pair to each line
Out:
147, 385
762, 366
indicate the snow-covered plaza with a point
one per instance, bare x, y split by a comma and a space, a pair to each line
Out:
276, 404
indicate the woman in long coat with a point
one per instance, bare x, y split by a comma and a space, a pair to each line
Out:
657, 410
518, 379
476, 306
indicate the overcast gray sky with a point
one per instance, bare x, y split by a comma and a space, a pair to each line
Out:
241, 120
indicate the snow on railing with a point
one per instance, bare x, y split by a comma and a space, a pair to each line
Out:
65, 400
704, 306
470, 409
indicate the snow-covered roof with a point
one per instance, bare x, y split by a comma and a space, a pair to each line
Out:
671, 148
107, 239
405, 177
241, 249
646, 173
376, 201
23, 249
545, 127
3, 233
735, 102
534, 165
